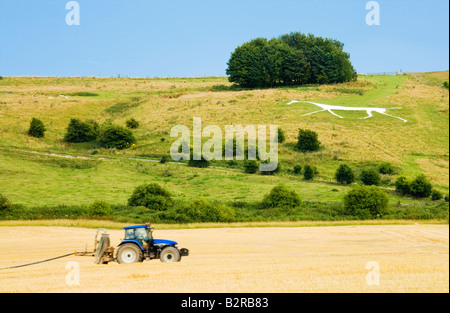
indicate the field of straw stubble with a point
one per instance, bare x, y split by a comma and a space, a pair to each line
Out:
369, 258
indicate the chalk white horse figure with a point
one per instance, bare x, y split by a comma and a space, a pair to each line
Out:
331, 108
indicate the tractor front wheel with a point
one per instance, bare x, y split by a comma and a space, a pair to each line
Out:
129, 253
170, 254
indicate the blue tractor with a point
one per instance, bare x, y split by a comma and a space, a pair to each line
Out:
138, 245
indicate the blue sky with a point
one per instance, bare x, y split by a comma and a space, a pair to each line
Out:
174, 38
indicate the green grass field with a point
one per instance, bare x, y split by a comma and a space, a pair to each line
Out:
33, 172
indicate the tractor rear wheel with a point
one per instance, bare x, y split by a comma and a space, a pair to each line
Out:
170, 254
129, 253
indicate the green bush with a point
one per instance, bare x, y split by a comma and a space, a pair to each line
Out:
219, 213
202, 163
251, 166
366, 202
5, 204
308, 140
297, 169
445, 84
164, 159
386, 168
344, 174
116, 136
281, 197
420, 187
370, 177
436, 195
132, 123
37, 128
151, 196
402, 185
100, 208
281, 136
202, 211
421, 211
84, 94
79, 131
309, 172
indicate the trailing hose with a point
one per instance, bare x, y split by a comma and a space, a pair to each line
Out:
47, 260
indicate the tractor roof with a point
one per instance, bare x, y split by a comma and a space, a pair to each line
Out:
137, 226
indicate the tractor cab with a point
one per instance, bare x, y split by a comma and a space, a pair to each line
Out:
141, 234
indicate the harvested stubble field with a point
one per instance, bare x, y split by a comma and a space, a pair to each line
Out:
411, 258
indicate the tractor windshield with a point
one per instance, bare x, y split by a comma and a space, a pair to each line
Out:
141, 234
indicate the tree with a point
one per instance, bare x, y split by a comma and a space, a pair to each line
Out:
309, 172
37, 128
297, 169
295, 68
436, 195
420, 187
247, 65
79, 131
402, 185
308, 140
366, 202
344, 174
151, 196
328, 61
281, 197
116, 136
370, 177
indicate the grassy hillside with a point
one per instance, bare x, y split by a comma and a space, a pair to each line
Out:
33, 171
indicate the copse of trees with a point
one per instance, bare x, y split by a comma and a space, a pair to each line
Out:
420, 187
108, 135
291, 59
